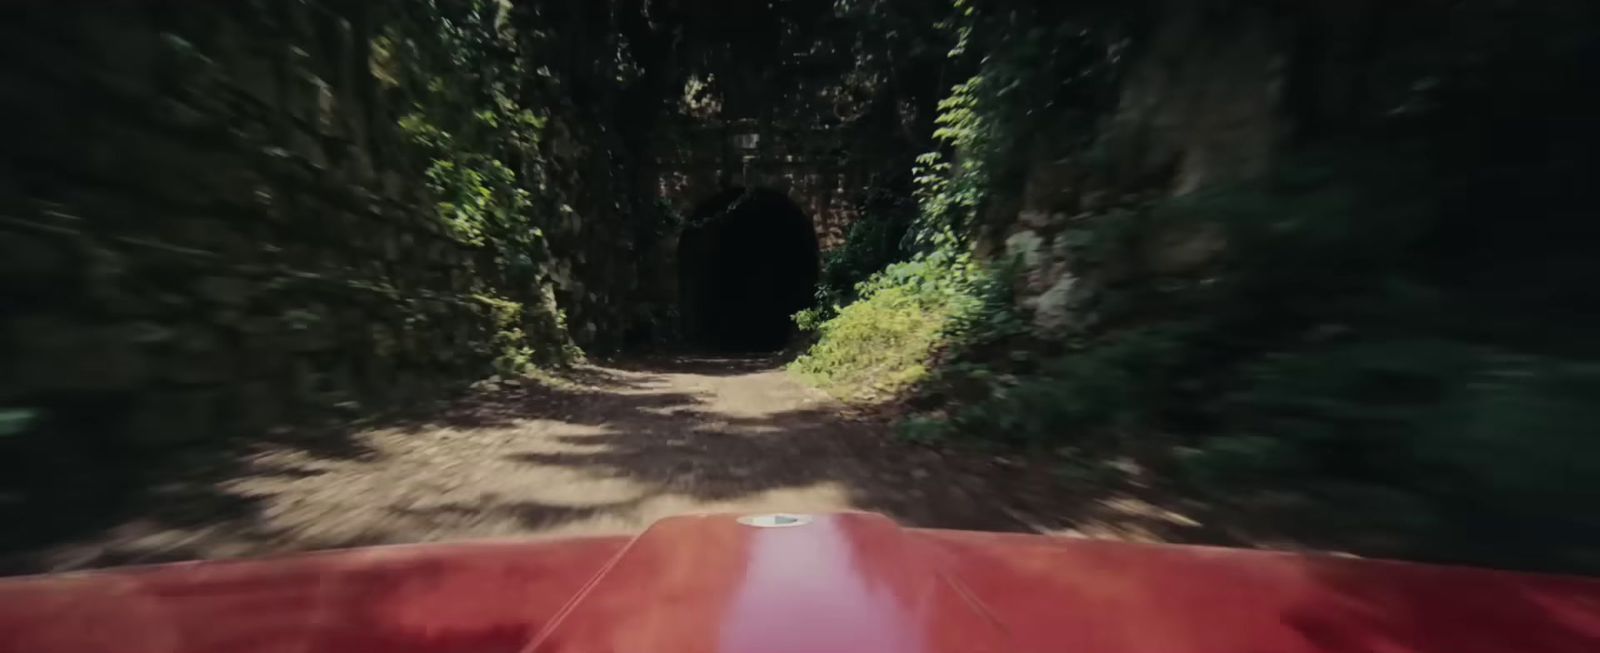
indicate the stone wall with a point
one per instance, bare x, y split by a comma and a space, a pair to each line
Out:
809, 166
205, 229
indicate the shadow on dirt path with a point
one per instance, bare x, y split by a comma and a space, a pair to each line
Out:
604, 450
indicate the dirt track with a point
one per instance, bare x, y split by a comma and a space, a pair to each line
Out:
609, 450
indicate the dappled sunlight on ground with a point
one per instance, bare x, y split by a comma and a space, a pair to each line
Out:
607, 450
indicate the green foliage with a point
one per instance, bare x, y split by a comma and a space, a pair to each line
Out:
992, 317
883, 343
989, 125
477, 115
924, 429
942, 303
1075, 398
1315, 330
526, 337
1311, 355
461, 70
875, 346
509, 344
871, 244
1428, 438
1448, 414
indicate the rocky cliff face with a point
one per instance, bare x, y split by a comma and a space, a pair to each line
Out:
1213, 94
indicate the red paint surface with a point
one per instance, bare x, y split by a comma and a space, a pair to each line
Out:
456, 598
842, 583
1114, 597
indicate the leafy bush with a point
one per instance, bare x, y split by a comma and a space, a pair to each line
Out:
1310, 356
1458, 447
474, 115
870, 245
993, 316
1393, 329
1453, 417
1068, 399
883, 343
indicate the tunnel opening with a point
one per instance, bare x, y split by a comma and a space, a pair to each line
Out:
746, 263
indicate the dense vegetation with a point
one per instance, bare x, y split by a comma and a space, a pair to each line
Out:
1297, 259
1378, 337
474, 116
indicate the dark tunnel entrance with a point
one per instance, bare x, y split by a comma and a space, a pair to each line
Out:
746, 263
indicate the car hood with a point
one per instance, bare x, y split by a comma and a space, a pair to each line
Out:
838, 583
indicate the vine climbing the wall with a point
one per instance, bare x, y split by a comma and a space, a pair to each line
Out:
475, 113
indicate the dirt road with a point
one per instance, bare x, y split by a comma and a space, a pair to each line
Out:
608, 450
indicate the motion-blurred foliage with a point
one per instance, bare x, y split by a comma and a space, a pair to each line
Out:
1391, 321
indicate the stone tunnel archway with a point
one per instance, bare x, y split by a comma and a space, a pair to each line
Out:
747, 261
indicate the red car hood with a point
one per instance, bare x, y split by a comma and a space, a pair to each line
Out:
827, 584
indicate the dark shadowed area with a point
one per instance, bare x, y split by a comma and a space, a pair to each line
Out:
746, 264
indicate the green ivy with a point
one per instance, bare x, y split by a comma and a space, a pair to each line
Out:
982, 125
885, 342
476, 116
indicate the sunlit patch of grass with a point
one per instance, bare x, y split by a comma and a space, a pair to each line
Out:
883, 344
